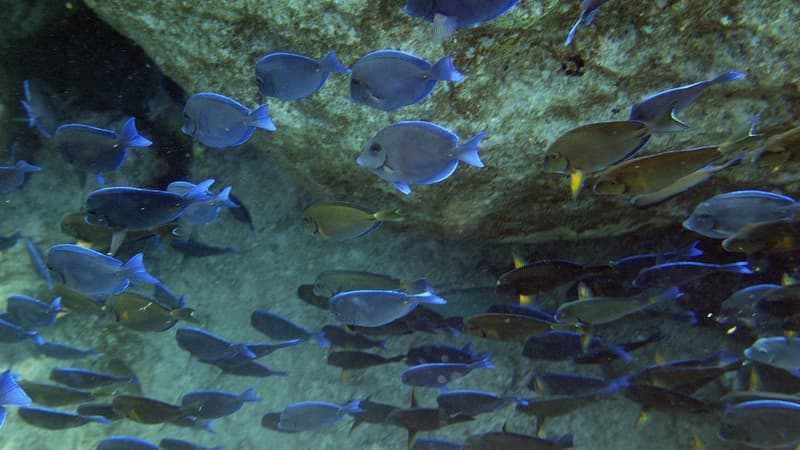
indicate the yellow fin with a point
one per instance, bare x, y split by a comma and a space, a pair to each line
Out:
414, 399
525, 299
345, 375
84, 244
389, 215
61, 314
788, 280
643, 418
576, 179
660, 360
789, 334
587, 339
697, 443
519, 261
539, 386
584, 291
754, 382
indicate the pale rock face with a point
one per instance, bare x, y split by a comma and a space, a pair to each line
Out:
515, 86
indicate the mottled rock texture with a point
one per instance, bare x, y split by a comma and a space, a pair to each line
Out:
516, 86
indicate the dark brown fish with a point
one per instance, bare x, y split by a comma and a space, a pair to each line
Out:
543, 276
353, 359
54, 395
372, 412
74, 224
543, 408
509, 327
765, 238
781, 302
270, 421
779, 149
423, 419
664, 399
687, 375
497, 440
305, 292
147, 410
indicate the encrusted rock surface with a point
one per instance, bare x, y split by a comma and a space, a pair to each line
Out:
516, 87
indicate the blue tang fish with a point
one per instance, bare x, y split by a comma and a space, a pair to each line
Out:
13, 177
96, 150
11, 333
93, 273
289, 76
216, 404
218, 121
38, 108
721, 216
202, 212
658, 111
417, 152
178, 444
439, 374
448, 15
375, 308
588, 11
389, 79
208, 347
10, 395
125, 443
29, 312
36, 258
65, 352
312, 416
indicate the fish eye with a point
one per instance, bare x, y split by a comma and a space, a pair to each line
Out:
355, 82
554, 156
375, 147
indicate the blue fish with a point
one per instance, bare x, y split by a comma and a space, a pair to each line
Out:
125, 443
247, 369
440, 374
13, 177
65, 352
218, 121
312, 416
28, 312
36, 257
721, 216
449, 15
87, 379
202, 212
10, 395
658, 111
682, 272
216, 404
93, 273
390, 79
289, 76
588, 11
630, 266
417, 152
282, 329
11, 333
166, 298
6, 242
53, 419
376, 308
208, 347
96, 150
178, 444
40, 111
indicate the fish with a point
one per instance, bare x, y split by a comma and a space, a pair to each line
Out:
391, 79
778, 351
472, 403
28, 312
13, 177
435, 444
332, 282
178, 444
353, 359
41, 114
98, 237
658, 110
216, 404
313, 416
282, 329
762, 424
208, 347
778, 150
166, 298
10, 395
439, 353
339, 337
679, 273
261, 350
508, 327
545, 407
515, 441
591, 148
10, 333
98, 409
202, 212
246, 369
289, 76
240, 212
440, 374
6, 242
219, 122
376, 308
341, 221
92, 273
564, 345
721, 216
51, 419
36, 259
270, 421
664, 399
65, 352
588, 11
611, 353
602, 310
687, 375
541, 276
417, 152
54, 395
140, 313
740, 308
75, 301
96, 150
147, 410
764, 238
630, 266
417, 419
570, 384
372, 412
778, 301
87, 379
305, 292
125, 443
196, 249
449, 16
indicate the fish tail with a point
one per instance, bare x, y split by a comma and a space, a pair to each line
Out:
25, 167
134, 269
243, 350
443, 70
320, 338
353, 407
420, 285
130, 137
728, 76
443, 27
249, 396
389, 215
572, 31
260, 118
12, 394
468, 151
689, 252
329, 63
427, 297
481, 364
737, 267
186, 314
98, 419
29, 112
620, 351
672, 293
223, 198
200, 191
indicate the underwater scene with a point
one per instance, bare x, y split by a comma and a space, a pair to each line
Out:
399, 224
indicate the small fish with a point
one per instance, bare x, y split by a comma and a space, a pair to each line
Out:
312, 416
77, 302
602, 310
218, 121
13, 177
449, 16
741, 309
341, 221
762, 424
141, 313
541, 276
178, 444
779, 149
36, 259
92, 273
147, 410
6, 242
472, 403
417, 152
544, 408
339, 337
391, 79
778, 351
208, 347
659, 110
98, 409
65, 352
51, 419
630, 266
10, 333
372, 412
87, 379
216, 404
305, 292
10, 395
687, 375
665, 399
54, 395
765, 238
588, 11
721, 216
570, 384
202, 212
438, 353
508, 327
41, 114
563, 345
376, 308
780, 301
332, 282
28, 312
682, 272
98, 237
440, 374
610, 353
591, 148
289, 76
435, 444
354, 360
246, 369
125, 443
506, 440
282, 329
196, 249
97, 150
240, 212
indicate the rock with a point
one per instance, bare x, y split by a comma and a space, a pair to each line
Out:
521, 84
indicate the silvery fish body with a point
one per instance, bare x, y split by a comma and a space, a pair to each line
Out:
777, 351
216, 404
721, 216
206, 210
376, 308
762, 424
289, 76
311, 416
218, 121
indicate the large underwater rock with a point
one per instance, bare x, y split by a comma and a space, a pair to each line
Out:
521, 84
